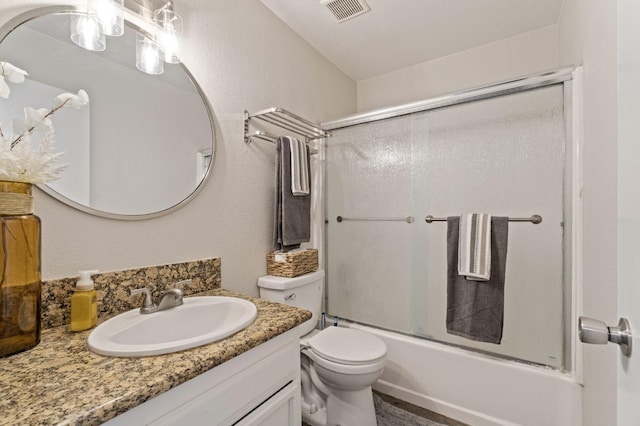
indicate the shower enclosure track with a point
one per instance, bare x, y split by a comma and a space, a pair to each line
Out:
483, 92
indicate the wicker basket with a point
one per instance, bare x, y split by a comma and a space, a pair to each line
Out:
292, 264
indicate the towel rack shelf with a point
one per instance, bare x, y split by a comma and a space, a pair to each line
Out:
283, 119
535, 219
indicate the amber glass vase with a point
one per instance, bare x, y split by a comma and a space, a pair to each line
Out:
20, 285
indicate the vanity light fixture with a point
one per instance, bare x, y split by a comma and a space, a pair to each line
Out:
110, 14
149, 56
170, 24
103, 17
86, 32
157, 43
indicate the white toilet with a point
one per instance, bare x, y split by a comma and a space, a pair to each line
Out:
339, 364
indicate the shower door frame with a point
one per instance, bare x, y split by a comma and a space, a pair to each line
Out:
571, 79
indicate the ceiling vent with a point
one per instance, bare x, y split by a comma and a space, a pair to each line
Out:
344, 10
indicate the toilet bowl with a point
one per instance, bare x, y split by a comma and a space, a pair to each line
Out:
342, 364
338, 364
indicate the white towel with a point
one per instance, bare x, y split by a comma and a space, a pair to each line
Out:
299, 167
474, 246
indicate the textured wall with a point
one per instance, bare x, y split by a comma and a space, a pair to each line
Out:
244, 58
513, 57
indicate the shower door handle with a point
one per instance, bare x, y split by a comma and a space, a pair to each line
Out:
597, 332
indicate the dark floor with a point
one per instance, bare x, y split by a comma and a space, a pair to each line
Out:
418, 411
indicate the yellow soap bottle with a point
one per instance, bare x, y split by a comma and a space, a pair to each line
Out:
84, 303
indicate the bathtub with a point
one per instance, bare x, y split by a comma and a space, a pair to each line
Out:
475, 388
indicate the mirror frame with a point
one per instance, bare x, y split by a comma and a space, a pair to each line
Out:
137, 23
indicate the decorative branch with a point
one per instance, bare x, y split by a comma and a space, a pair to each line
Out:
32, 128
18, 162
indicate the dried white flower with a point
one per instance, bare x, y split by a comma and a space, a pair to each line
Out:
9, 72
69, 99
33, 119
24, 164
19, 161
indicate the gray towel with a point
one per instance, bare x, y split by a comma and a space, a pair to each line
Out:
475, 309
293, 213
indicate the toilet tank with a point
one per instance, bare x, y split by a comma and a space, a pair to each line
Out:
303, 291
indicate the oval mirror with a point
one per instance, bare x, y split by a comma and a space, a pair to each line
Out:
144, 145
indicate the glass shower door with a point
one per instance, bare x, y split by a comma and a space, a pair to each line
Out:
503, 155
368, 261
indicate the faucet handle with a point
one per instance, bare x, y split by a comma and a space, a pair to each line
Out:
184, 283
148, 305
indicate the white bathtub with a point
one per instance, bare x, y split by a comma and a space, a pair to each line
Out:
474, 388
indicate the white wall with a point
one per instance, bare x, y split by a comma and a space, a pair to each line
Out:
513, 57
244, 58
588, 37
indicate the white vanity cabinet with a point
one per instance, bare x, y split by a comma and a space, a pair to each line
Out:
258, 387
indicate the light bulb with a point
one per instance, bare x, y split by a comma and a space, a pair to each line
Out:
148, 55
110, 14
171, 26
169, 43
86, 33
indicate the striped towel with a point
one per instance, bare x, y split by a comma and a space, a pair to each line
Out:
299, 167
474, 246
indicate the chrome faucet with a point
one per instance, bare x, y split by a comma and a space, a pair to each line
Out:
148, 305
169, 299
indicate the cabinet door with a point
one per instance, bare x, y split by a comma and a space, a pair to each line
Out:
282, 409
227, 393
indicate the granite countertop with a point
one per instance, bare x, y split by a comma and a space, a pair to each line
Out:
61, 382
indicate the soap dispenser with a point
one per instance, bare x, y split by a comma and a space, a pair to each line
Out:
84, 303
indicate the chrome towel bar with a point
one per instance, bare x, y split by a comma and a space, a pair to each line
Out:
535, 219
408, 219
265, 136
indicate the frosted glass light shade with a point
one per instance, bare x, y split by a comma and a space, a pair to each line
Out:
86, 33
110, 15
171, 25
148, 55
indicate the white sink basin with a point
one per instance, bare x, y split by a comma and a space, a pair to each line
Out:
200, 320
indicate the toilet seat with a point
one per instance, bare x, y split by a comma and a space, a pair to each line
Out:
347, 346
347, 350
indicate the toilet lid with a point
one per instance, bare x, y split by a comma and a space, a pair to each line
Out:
347, 345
